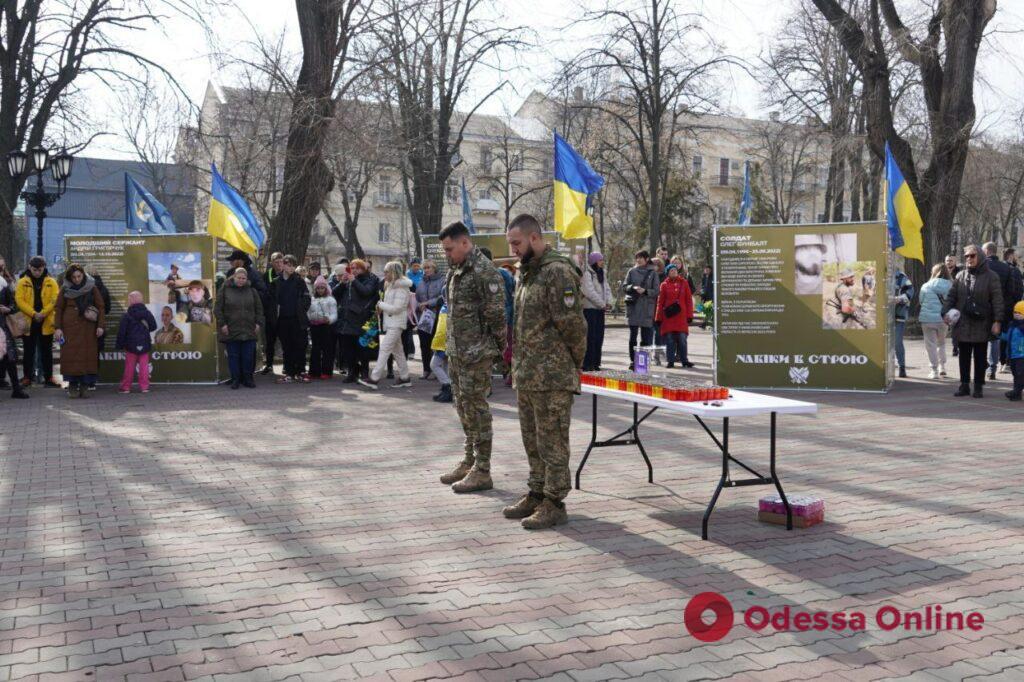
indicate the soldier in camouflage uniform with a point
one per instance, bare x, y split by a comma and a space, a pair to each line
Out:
475, 295
550, 343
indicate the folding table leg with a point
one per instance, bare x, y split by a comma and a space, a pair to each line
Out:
593, 439
721, 481
636, 437
778, 484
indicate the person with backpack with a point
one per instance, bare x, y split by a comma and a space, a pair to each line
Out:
933, 297
1006, 284
1014, 293
133, 337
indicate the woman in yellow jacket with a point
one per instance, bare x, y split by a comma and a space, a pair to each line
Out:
36, 298
439, 361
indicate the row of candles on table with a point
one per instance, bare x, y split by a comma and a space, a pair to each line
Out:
667, 388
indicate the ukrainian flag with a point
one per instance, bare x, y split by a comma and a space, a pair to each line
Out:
230, 217
904, 219
575, 183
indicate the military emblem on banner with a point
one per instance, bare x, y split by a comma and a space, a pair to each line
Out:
799, 375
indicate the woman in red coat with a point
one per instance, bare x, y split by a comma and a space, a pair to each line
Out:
674, 311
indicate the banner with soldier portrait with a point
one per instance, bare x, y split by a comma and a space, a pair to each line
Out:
176, 276
802, 306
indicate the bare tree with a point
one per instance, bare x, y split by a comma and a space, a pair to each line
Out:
431, 54
515, 169
946, 59
786, 155
48, 50
362, 144
660, 64
330, 32
992, 197
150, 119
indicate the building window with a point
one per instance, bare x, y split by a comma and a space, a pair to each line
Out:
722, 216
485, 160
384, 189
698, 163
821, 218
798, 217
452, 191
484, 193
545, 166
383, 233
723, 172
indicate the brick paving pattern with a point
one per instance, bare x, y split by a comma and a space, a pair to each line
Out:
300, 533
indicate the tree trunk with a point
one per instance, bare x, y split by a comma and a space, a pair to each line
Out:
307, 180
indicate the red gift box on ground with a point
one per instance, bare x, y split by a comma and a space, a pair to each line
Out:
808, 510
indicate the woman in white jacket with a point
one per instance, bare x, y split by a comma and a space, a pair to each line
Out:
394, 310
323, 313
597, 300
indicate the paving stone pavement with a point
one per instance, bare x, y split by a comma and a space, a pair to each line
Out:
299, 533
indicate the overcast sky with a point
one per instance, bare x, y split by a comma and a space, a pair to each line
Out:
744, 28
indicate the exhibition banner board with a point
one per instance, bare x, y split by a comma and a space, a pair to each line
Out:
175, 274
802, 306
497, 243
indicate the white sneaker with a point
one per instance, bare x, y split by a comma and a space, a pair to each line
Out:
942, 370
933, 374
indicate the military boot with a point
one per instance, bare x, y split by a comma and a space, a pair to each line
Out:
475, 481
526, 505
548, 514
456, 474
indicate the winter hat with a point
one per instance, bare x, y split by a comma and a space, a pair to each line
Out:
671, 266
595, 258
339, 270
134, 297
320, 280
1018, 308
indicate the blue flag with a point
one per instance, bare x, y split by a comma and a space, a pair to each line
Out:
143, 213
467, 212
747, 204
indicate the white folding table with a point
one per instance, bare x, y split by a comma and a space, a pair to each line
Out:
740, 404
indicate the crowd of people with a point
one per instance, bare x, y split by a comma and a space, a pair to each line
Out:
354, 319
980, 306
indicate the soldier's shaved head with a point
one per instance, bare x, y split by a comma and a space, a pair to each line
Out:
525, 223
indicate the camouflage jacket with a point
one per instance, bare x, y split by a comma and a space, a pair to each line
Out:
475, 295
550, 331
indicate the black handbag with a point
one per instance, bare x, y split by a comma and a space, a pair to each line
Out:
672, 310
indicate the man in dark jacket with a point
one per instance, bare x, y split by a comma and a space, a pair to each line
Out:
1013, 292
357, 297
707, 290
1006, 282
270, 312
291, 299
978, 299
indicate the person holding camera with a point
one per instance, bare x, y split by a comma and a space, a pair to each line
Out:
641, 296
974, 309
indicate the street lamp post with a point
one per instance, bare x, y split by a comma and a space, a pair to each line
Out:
60, 169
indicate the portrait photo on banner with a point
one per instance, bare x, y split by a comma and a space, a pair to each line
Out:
811, 252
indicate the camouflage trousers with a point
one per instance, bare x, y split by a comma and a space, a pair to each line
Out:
471, 383
544, 421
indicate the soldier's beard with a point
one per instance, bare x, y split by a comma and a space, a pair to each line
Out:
527, 255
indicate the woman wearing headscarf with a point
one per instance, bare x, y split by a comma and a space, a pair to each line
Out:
977, 296
77, 327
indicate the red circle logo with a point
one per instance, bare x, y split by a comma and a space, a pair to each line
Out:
718, 605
